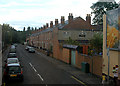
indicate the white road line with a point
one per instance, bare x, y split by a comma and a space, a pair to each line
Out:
40, 77
30, 64
34, 69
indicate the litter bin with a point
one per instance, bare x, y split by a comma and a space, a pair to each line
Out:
85, 67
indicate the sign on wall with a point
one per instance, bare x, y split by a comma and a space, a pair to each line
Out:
113, 29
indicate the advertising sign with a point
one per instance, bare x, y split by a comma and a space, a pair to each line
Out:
113, 29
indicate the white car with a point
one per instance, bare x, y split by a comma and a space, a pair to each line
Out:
11, 61
31, 50
27, 48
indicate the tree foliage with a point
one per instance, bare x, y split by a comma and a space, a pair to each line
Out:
100, 8
97, 42
10, 35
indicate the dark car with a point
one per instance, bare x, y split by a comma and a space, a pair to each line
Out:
12, 50
13, 72
31, 50
12, 55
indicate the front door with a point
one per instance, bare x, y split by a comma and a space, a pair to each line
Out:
73, 61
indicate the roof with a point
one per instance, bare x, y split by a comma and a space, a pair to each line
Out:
14, 64
78, 23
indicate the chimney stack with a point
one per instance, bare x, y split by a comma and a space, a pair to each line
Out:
47, 25
51, 24
44, 27
56, 22
70, 17
88, 18
62, 20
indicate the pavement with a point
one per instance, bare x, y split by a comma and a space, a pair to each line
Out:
84, 78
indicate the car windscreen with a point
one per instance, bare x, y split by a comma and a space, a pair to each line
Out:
12, 55
14, 69
12, 61
32, 49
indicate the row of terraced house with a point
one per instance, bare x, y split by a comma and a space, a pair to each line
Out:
56, 37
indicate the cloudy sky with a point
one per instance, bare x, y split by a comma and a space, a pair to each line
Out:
36, 13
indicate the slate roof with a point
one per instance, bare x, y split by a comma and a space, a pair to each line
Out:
78, 23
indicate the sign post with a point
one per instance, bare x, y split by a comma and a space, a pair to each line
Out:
108, 62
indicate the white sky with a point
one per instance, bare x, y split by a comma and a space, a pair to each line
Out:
36, 13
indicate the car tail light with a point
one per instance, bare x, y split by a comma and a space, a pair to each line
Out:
21, 72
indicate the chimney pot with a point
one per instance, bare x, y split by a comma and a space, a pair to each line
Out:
62, 20
70, 17
51, 24
56, 22
47, 25
88, 18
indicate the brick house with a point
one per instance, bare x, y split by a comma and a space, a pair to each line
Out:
54, 38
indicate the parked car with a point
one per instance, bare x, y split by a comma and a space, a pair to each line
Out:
12, 55
31, 50
11, 60
12, 50
12, 47
15, 45
27, 48
13, 71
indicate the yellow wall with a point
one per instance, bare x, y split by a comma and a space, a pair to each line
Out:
114, 55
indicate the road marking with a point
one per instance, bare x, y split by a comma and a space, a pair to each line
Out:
79, 81
30, 64
36, 71
33, 67
40, 77
4, 84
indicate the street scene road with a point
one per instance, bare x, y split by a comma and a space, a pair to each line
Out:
38, 70
53, 42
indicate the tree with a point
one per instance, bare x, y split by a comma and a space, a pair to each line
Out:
100, 8
24, 29
97, 42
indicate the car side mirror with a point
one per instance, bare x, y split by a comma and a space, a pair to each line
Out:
5, 60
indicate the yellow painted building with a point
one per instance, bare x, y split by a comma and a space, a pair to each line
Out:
114, 54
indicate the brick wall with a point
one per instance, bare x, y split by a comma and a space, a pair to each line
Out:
97, 63
66, 55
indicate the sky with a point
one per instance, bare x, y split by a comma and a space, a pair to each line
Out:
36, 13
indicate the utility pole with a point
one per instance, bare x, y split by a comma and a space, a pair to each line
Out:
108, 49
